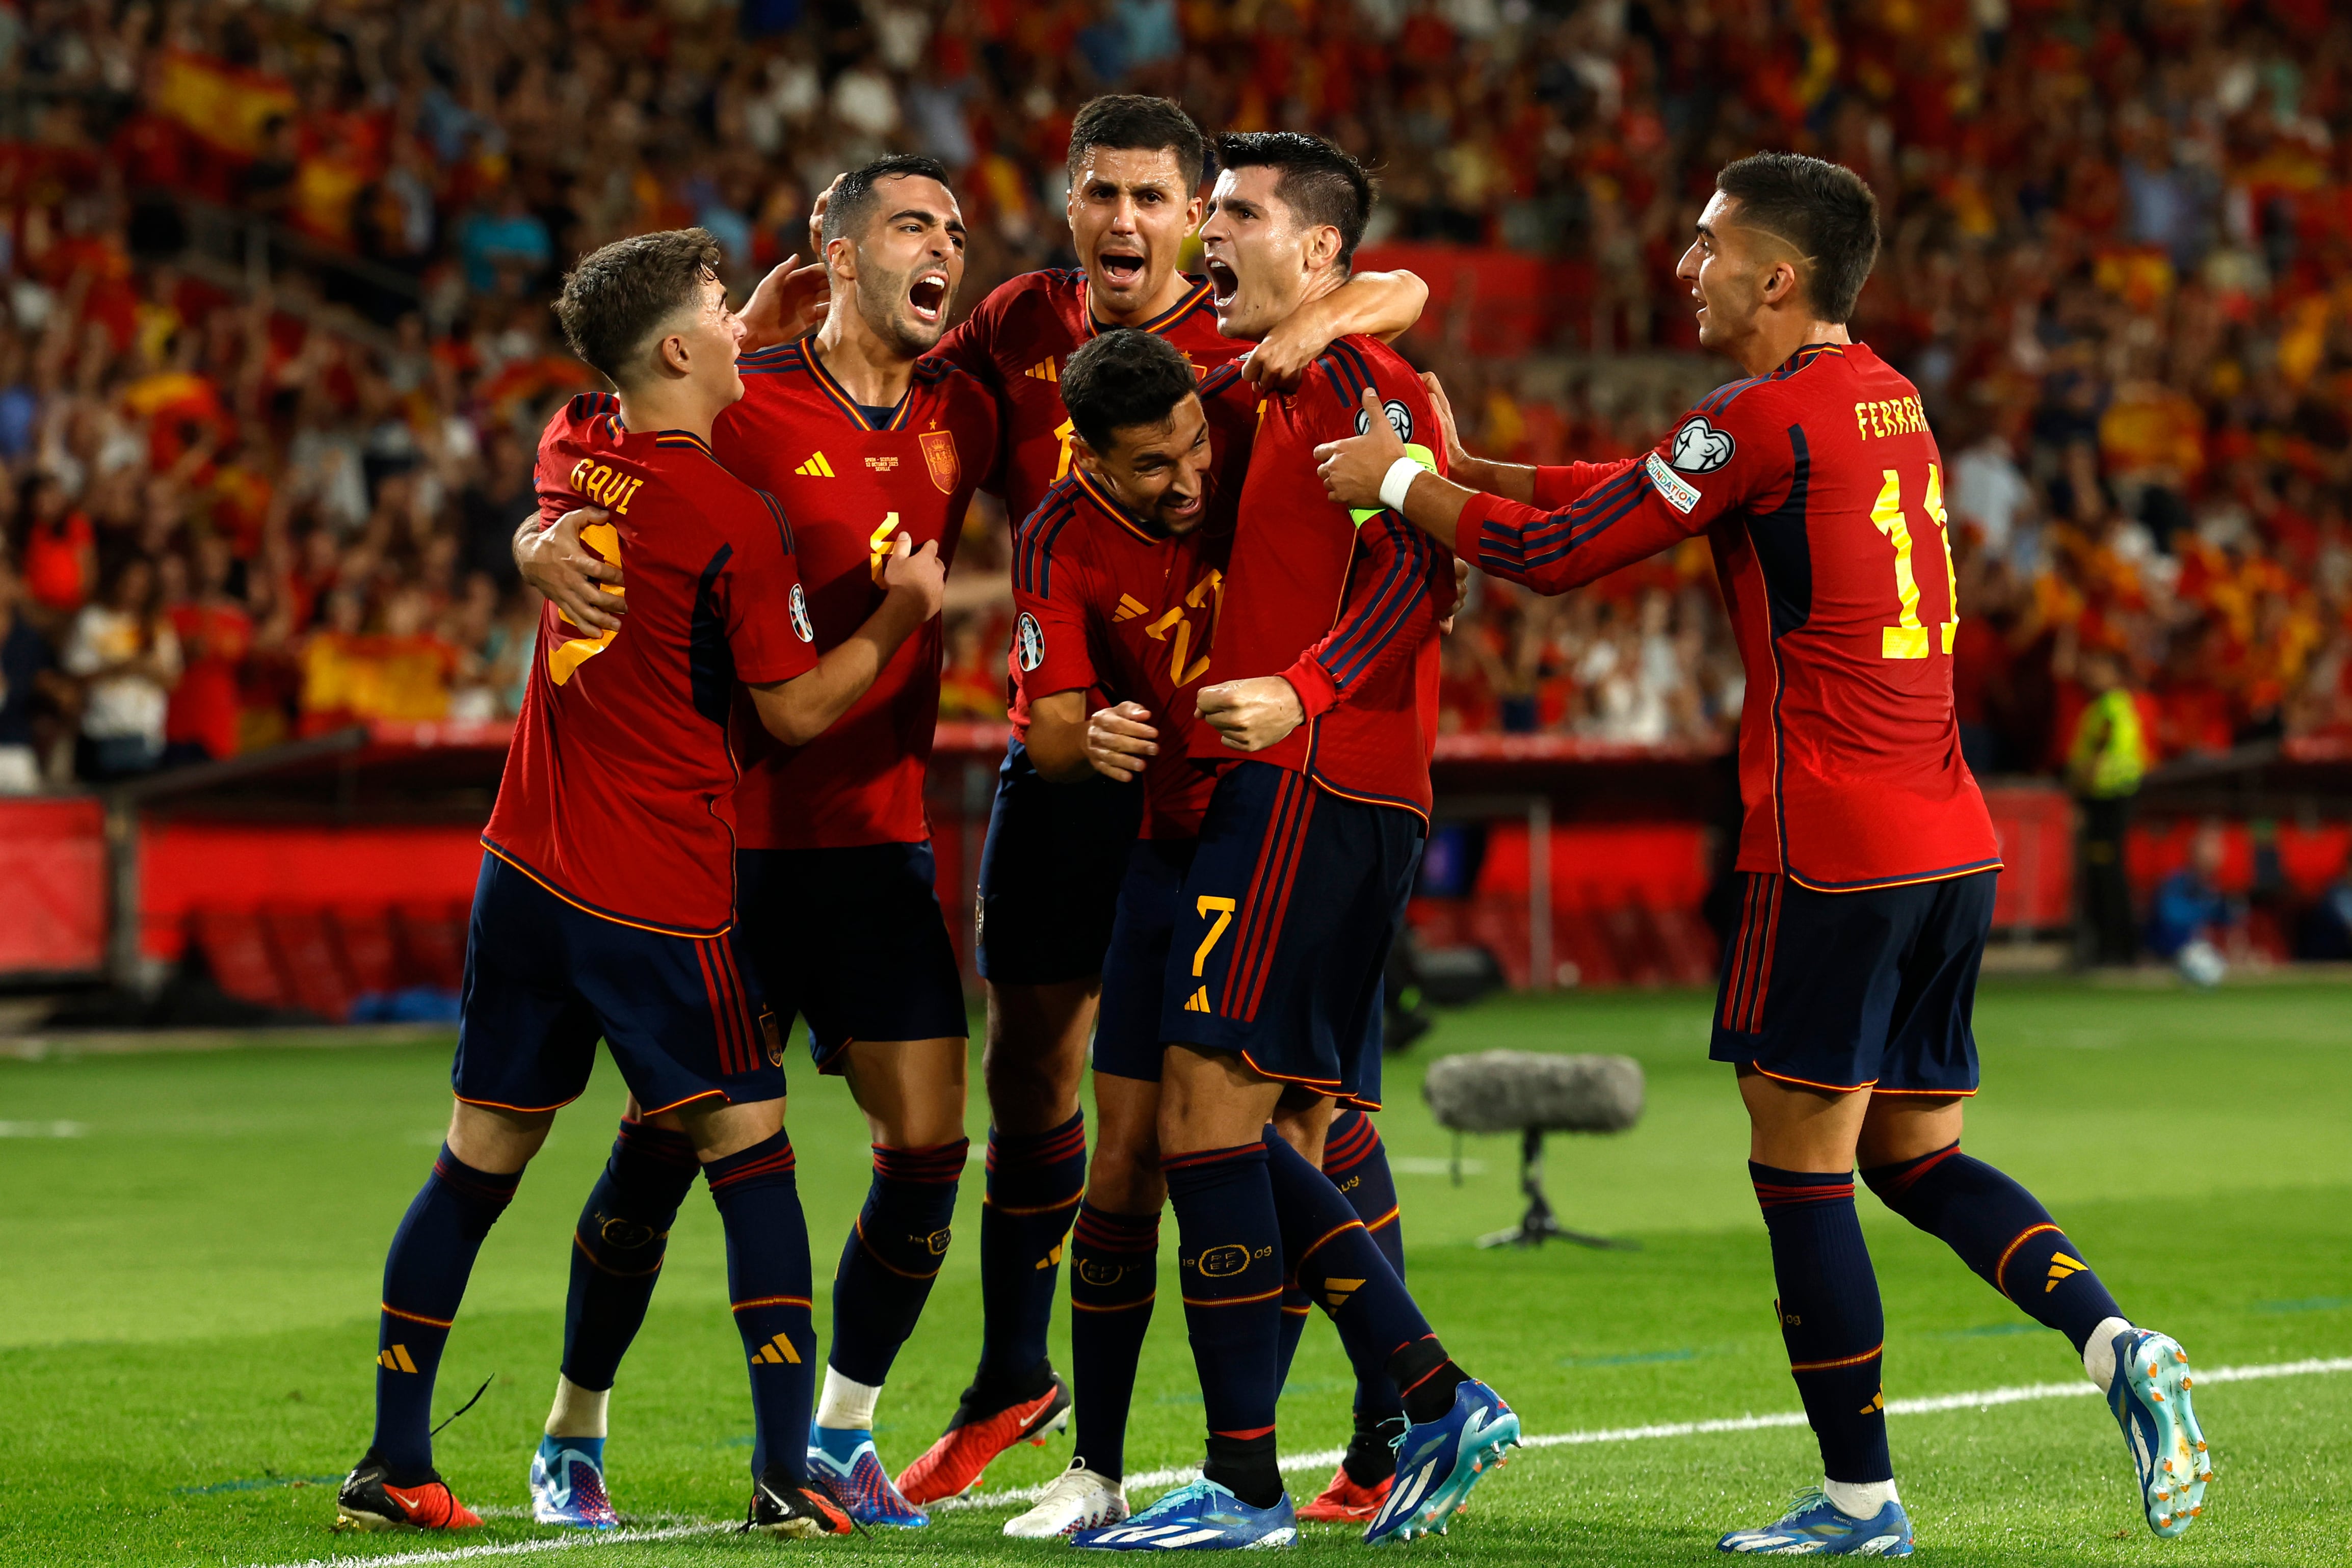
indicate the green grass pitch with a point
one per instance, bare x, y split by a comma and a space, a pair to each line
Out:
187, 1292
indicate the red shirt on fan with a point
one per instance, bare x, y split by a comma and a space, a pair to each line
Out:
1821, 491
851, 485
1106, 603
1347, 613
1016, 342
619, 788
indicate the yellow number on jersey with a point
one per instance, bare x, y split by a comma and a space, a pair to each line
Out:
569, 655
1062, 432
880, 542
1222, 908
1907, 639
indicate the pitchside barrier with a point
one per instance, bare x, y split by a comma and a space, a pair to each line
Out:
320, 874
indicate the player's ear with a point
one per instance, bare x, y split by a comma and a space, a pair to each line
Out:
1322, 247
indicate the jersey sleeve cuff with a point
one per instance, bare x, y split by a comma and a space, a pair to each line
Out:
771, 674
1314, 686
1466, 527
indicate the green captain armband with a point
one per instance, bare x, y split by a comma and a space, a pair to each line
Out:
1360, 516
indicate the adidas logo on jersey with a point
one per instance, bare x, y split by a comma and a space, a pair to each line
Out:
1129, 607
1043, 370
816, 467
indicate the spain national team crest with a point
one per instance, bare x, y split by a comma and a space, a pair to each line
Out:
939, 459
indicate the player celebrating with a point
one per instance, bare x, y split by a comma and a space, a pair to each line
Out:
1867, 854
863, 438
1283, 922
622, 741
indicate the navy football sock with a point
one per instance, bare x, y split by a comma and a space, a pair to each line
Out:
423, 1279
1830, 1315
618, 1246
2002, 1232
1229, 1252
770, 1288
893, 1254
1034, 1182
1297, 1307
1338, 1264
1114, 1273
1358, 1164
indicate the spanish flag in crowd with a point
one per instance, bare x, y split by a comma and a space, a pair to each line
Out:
225, 105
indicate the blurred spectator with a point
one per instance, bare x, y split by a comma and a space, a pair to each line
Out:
2104, 763
27, 676
2192, 922
124, 651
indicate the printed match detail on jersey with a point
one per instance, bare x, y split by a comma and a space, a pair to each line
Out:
851, 486
1821, 491
619, 785
1346, 613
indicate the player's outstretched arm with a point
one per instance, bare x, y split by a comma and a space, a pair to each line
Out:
1375, 304
1068, 744
788, 304
799, 710
1512, 481
551, 558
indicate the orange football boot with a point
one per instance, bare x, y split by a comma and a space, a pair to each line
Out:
954, 1464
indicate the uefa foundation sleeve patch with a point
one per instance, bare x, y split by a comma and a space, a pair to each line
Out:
1679, 493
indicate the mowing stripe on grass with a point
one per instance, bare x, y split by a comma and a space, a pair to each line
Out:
1979, 1399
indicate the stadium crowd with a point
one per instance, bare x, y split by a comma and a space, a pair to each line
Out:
2118, 241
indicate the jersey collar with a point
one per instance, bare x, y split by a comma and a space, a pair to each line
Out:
1112, 510
1160, 323
1806, 355
661, 437
849, 405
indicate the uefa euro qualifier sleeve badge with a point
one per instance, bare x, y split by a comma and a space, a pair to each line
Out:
939, 459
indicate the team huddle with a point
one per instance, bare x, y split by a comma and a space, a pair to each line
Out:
1244, 522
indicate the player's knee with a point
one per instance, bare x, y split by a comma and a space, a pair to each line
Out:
1125, 1178
493, 1138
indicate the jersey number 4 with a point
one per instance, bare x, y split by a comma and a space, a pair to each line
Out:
1907, 638
570, 653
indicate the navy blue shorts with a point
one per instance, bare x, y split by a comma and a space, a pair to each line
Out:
1049, 872
544, 979
1283, 927
852, 940
1856, 990
1135, 970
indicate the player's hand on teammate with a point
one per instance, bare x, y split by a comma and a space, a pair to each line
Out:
1456, 454
1460, 592
788, 304
917, 575
1252, 715
586, 588
816, 218
1352, 469
1120, 740
1281, 360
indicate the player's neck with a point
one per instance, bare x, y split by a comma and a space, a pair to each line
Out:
1172, 287
675, 406
871, 372
1769, 348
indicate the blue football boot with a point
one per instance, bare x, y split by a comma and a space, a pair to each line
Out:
567, 1484
1201, 1517
1814, 1528
2149, 1397
845, 1463
1439, 1461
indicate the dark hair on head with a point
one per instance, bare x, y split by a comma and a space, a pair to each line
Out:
852, 202
1825, 212
1319, 180
1134, 121
1121, 379
617, 297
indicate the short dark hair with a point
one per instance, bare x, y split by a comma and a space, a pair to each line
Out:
1317, 179
615, 298
852, 202
1125, 122
1123, 378
1824, 211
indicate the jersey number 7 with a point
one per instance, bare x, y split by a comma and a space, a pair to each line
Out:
570, 653
1907, 639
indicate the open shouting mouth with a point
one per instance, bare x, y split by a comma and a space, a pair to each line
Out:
1119, 268
1223, 282
927, 296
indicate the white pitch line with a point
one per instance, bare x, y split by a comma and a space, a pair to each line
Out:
1931, 1405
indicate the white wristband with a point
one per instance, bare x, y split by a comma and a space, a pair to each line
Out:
1397, 481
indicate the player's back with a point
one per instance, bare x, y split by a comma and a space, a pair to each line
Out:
617, 790
851, 484
1339, 605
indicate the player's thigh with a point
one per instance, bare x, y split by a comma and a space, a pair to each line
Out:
682, 1015
1123, 1172
526, 1034
855, 942
1899, 1128
1049, 875
911, 1091
1810, 982
1931, 1049
1284, 926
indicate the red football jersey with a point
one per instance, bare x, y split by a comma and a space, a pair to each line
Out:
1016, 342
851, 485
619, 788
1347, 613
1104, 603
1821, 492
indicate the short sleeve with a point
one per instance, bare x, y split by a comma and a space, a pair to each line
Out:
767, 626
1050, 643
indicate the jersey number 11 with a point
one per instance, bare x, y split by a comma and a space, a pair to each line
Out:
1907, 639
